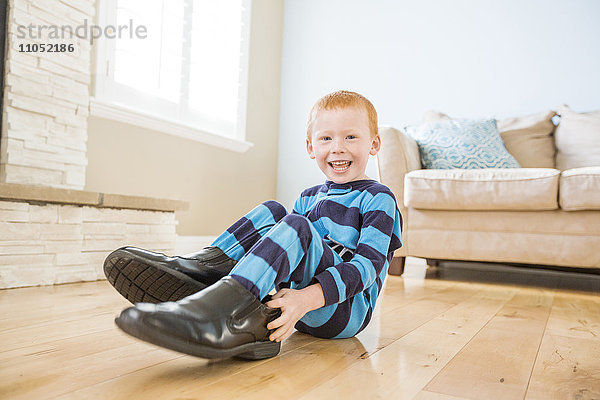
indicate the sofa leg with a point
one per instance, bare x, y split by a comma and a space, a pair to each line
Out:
433, 262
397, 266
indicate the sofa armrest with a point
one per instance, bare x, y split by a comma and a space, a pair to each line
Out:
399, 155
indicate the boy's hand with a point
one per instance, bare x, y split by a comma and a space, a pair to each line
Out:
294, 304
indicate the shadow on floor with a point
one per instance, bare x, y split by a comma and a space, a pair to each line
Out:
531, 276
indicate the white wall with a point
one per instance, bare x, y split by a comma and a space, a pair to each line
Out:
469, 58
220, 185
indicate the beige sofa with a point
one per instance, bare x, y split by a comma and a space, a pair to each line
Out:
545, 213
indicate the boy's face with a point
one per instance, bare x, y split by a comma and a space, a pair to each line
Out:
341, 143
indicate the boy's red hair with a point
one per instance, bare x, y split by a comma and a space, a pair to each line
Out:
344, 99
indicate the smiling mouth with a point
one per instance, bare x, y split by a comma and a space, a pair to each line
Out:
340, 166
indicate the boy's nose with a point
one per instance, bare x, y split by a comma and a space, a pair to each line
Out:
338, 146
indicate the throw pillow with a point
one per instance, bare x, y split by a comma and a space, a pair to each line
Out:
577, 139
467, 144
529, 139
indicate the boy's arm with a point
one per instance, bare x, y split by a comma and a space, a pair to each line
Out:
300, 203
306, 200
380, 234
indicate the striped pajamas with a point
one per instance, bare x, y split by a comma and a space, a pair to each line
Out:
275, 249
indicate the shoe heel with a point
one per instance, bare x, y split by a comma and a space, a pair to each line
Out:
262, 350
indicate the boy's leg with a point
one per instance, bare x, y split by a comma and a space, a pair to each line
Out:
145, 276
292, 253
239, 238
228, 319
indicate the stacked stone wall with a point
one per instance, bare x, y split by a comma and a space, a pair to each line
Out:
54, 243
46, 94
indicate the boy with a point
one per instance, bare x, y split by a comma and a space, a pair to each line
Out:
327, 259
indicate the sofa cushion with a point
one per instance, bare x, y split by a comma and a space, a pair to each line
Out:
461, 144
577, 139
528, 138
482, 189
580, 189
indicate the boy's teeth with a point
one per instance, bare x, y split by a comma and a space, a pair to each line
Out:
340, 165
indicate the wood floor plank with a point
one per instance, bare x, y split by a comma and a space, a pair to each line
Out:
497, 362
404, 290
65, 313
403, 368
113, 353
568, 363
341, 353
51, 305
186, 376
427, 395
63, 350
33, 335
35, 296
428, 339
325, 357
575, 316
566, 368
35, 379
390, 303
398, 321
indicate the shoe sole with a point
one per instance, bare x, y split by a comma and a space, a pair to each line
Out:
140, 282
248, 351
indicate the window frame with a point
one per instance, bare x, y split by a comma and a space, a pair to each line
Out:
105, 101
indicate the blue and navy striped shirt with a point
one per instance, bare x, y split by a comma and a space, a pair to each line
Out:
362, 216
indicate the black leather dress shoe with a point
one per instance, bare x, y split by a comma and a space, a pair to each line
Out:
145, 276
223, 320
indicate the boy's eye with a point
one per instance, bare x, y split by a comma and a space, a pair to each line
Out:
350, 137
325, 138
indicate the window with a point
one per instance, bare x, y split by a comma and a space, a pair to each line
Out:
185, 74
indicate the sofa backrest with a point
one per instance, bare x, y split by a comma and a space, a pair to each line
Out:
529, 139
577, 139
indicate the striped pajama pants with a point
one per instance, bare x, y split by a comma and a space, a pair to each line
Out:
278, 250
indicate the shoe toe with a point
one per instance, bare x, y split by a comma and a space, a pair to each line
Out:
129, 321
138, 320
129, 316
142, 318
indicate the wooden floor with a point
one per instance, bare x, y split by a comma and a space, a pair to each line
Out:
432, 337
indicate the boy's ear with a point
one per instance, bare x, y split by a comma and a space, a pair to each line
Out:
375, 145
309, 148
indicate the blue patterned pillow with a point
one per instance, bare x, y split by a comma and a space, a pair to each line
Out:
467, 144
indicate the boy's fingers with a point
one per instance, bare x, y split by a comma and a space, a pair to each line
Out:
276, 336
274, 303
287, 335
286, 331
279, 294
276, 323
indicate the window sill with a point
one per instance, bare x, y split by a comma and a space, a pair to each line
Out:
119, 113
